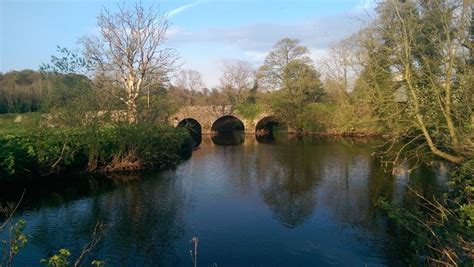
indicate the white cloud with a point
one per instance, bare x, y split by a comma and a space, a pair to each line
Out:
318, 33
180, 9
252, 42
255, 57
317, 54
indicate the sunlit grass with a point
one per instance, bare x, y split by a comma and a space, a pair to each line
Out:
18, 122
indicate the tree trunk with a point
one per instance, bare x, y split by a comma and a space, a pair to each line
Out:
131, 111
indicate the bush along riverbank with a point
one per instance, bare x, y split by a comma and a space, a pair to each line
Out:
440, 230
109, 148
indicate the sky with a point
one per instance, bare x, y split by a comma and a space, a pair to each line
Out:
206, 33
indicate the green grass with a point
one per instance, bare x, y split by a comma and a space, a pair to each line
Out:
16, 122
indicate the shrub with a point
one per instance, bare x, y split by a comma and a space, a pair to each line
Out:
249, 110
441, 231
105, 148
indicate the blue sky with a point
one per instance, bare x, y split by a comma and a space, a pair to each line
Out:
206, 33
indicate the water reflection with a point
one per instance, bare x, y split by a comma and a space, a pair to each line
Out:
228, 138
286, 181
267, 138
143, 220
299, 201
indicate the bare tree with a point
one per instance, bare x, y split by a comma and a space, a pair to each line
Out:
190, 80
237, 79
129, 51
343, 62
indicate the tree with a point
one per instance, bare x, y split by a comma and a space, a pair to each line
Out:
190, 81
21, 91
343, 63
289, 69
237, 81
129, 51
302, 86
303, 81
67, 62
282, 53
425, 48
73, 96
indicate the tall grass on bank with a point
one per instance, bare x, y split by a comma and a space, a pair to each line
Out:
94, 149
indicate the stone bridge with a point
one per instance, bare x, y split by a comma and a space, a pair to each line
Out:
209, 116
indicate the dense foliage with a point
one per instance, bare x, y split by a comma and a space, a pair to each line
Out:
440, 231
105, 148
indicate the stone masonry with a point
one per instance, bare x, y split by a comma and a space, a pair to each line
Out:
207, 115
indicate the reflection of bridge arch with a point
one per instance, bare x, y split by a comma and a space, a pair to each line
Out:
194, 128
206, 116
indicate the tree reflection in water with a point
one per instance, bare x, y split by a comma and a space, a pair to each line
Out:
340, 176
304, 200
287, 180
141, 228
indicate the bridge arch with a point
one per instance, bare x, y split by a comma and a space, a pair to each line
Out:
265, 127
267, 122
194, 128
228, 123
228, 130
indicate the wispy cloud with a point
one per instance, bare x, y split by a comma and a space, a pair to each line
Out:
180, 9
317, 33
252, 40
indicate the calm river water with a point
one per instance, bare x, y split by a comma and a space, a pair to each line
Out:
295, 202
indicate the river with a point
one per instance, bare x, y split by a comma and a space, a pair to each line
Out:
300, 201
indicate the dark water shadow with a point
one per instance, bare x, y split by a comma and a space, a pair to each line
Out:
195, 130
228, 138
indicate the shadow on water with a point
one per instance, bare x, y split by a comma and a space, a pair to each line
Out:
228, 138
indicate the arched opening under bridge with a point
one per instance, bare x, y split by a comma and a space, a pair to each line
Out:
267, 128
228, 131
194, 128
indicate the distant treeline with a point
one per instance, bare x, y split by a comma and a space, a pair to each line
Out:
32, 91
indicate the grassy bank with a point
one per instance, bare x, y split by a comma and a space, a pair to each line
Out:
43, 151
16, 122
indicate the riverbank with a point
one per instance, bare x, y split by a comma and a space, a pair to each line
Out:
359, 134
108, 148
